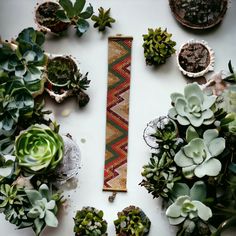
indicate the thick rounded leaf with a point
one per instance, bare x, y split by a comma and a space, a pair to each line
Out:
198, 191
217, 146
176, 221
203, 211
193, 90
182, 160
179, 189
191, 133
210, 135
51, 219
33, 196
211, 167
180, 106
188, 171
175, 96
173, 210
183, 120
82, 25
208, 101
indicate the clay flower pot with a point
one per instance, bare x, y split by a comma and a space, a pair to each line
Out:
195, 58
202, 14
45, 17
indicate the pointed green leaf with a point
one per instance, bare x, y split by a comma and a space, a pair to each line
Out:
62, 16
82, 25
78, 6
68, 7
87, 13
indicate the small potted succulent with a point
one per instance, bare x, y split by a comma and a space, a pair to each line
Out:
89, 221
65, 80
103, 19
57, 18
158, 46
195, 58
132, 221
199, 14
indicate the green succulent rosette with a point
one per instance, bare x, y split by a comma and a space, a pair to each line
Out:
39, 149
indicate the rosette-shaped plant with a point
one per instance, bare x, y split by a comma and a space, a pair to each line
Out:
132, 221
188, 203
39, 149
198, 156
162, 135
43, 208
158, 46
89, 221
193, 107
159, 175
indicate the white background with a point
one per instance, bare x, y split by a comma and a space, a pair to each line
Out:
149, 98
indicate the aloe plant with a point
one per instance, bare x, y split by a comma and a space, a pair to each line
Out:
132, 221
89, 221
158, 46
103, 19
39, 149
74, 14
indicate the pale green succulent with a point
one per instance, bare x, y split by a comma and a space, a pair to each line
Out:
198, 156
188, 203
39, 149
193, 107
43, 208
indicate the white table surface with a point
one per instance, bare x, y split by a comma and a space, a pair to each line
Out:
149, 98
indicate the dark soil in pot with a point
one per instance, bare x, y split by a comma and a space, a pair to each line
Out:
46, 16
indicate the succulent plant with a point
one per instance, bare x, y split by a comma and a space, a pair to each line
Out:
46, 16
188, 203
198, 156
16, 103
232, 77
158, 46
194, 107
75, 15
25, 60
132, 221
103, 19
14, 204
39, 149
162, 135
43, 208
89, 221
159, 175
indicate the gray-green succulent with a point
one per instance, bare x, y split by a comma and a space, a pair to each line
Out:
188, 203
198, 157
132, 221
89, 221
43, 208
39, 149
158, 46
193, 107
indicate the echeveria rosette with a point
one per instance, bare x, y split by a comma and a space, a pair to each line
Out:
39, 149
188, 203
197, 158
193, 107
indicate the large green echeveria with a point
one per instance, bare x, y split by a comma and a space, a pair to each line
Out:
39, 149
188, 203
193, 107
197, 157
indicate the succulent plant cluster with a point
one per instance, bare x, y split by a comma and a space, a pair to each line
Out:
193, 162
89, 221
103, 19
132, 221
158, 46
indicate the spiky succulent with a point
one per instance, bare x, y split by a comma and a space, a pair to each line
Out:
159, 175
132, 221
43, 208
74, 14
103, 19
39, 149
25, 59
158, 46
89, 221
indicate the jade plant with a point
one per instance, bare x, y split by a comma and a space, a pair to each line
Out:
43, 208
89, 221
193, 107
158, 46
103, 19
198, 156
25, 60
132, 221
75, 15
39, 149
